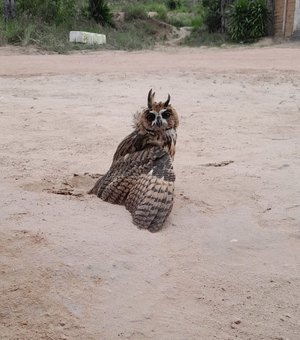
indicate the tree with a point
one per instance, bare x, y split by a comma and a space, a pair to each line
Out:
216, 14
9, 9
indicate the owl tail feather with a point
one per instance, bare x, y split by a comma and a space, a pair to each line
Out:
150, 202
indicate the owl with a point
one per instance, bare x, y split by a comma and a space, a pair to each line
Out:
141, 175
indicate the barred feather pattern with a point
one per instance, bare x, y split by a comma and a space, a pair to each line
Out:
141, 176
144, 182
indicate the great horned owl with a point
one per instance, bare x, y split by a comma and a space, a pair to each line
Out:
141, 175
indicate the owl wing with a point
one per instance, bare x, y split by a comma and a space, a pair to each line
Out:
144, 182
120, 166
150, 200
132, 143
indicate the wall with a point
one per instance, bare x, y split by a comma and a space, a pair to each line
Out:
284, 20
296, 32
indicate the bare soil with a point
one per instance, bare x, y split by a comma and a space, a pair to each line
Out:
226, 265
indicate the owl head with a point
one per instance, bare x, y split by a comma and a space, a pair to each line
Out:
158, 115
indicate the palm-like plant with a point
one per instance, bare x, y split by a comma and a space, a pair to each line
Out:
248, 20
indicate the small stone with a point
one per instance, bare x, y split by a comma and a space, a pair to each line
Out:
235, 323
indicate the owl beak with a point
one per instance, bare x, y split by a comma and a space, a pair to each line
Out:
159, 121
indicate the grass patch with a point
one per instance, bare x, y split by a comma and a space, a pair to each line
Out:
199, 37
183, 15
159, 8
185, 20
134, 12
131, 36
135, 35
137, 32
162, 12
25, 31
140, 11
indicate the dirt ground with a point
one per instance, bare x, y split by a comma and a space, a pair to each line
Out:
226, 265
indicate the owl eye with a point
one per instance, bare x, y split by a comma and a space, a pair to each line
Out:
150, 116
166, 114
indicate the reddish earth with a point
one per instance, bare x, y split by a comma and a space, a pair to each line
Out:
226, 265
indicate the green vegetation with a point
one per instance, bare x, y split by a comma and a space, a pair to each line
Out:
194, 18
46, 23
174, 4
204, 38
213, 17
162, 12
248, 20
52, 11
133, 12
100, 12
232, 20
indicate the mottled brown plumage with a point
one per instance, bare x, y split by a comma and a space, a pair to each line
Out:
141, 175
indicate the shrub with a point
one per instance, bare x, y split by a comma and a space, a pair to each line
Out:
199, 37
50, 11
100, 12
197, 21
24, 31
173, 4
213, 15
135, 35
135, 12
185, 20
161, 12
248, 20
12, 32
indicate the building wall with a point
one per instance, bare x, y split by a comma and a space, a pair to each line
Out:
296, 32
284, 20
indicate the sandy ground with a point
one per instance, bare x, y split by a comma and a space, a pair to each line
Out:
226, 265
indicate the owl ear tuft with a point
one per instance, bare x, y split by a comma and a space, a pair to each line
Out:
150, 99
168, 101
